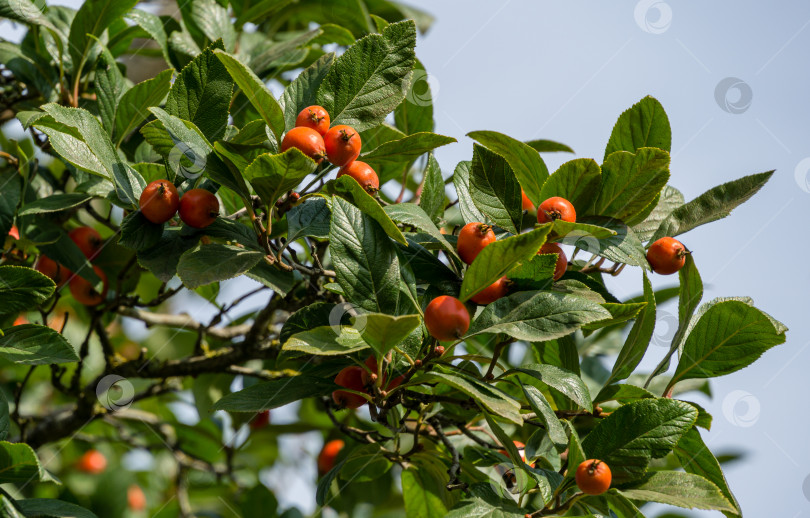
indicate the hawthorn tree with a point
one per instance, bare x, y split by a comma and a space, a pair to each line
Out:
484, 370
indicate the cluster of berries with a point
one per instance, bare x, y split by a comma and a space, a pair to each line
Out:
340, 145
160, 201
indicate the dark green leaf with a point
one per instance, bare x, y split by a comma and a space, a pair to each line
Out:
52, 508
54, 203
495, 190
153, 25
630, 182
680, 489
332, 340
162, 258
273, 175
548, 146
433, 195
490, 397
365, 463
410, 214
577, 181
636, 433
309, 219
696, 458
624, 247
213, 21
31, 344
529, 169
109, 88
405, 149
275, 393
499, 258
565, 382
5, 422
132, 108
256, 92
461, 181
23, 288
202, 94
714, 204
367, 81
645, 124
635, 346
138, 233
541, 407
19, 463
91, 20
384, 332
215, 262
669, 200
365, 259
351, 190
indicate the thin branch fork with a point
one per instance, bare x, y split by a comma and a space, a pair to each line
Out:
183, 321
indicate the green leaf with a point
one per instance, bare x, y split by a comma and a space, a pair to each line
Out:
309, 219
636, 433
19, 463
405, 149
303, 90
153, 25
52, 508
577, 181
493, 399
423, 490
635, 346
201, 94
696, 458
495, 190
433, 195
138, 233
499, 258
132, 108
541, 407
12, 187
690, 295
70, 146
367, 81
564, 381
548, 146
461, 181
623, 247
630, 182
255, 90
280, 281
728, 337
259, 11
415, 112
384, 332
215, 262
351, 190
330, 340
213, 20
54, 203
275, 393
679, 489
162, 258
536, 315
23, 288
109, 83
669, 200
714, 204
618, 313
410, 214
534, 274
485, 503
174, 138
31, 344
365, 259
24, 11
529, 169
65, 252
365, 463
91, 20
645, 124
274, 174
